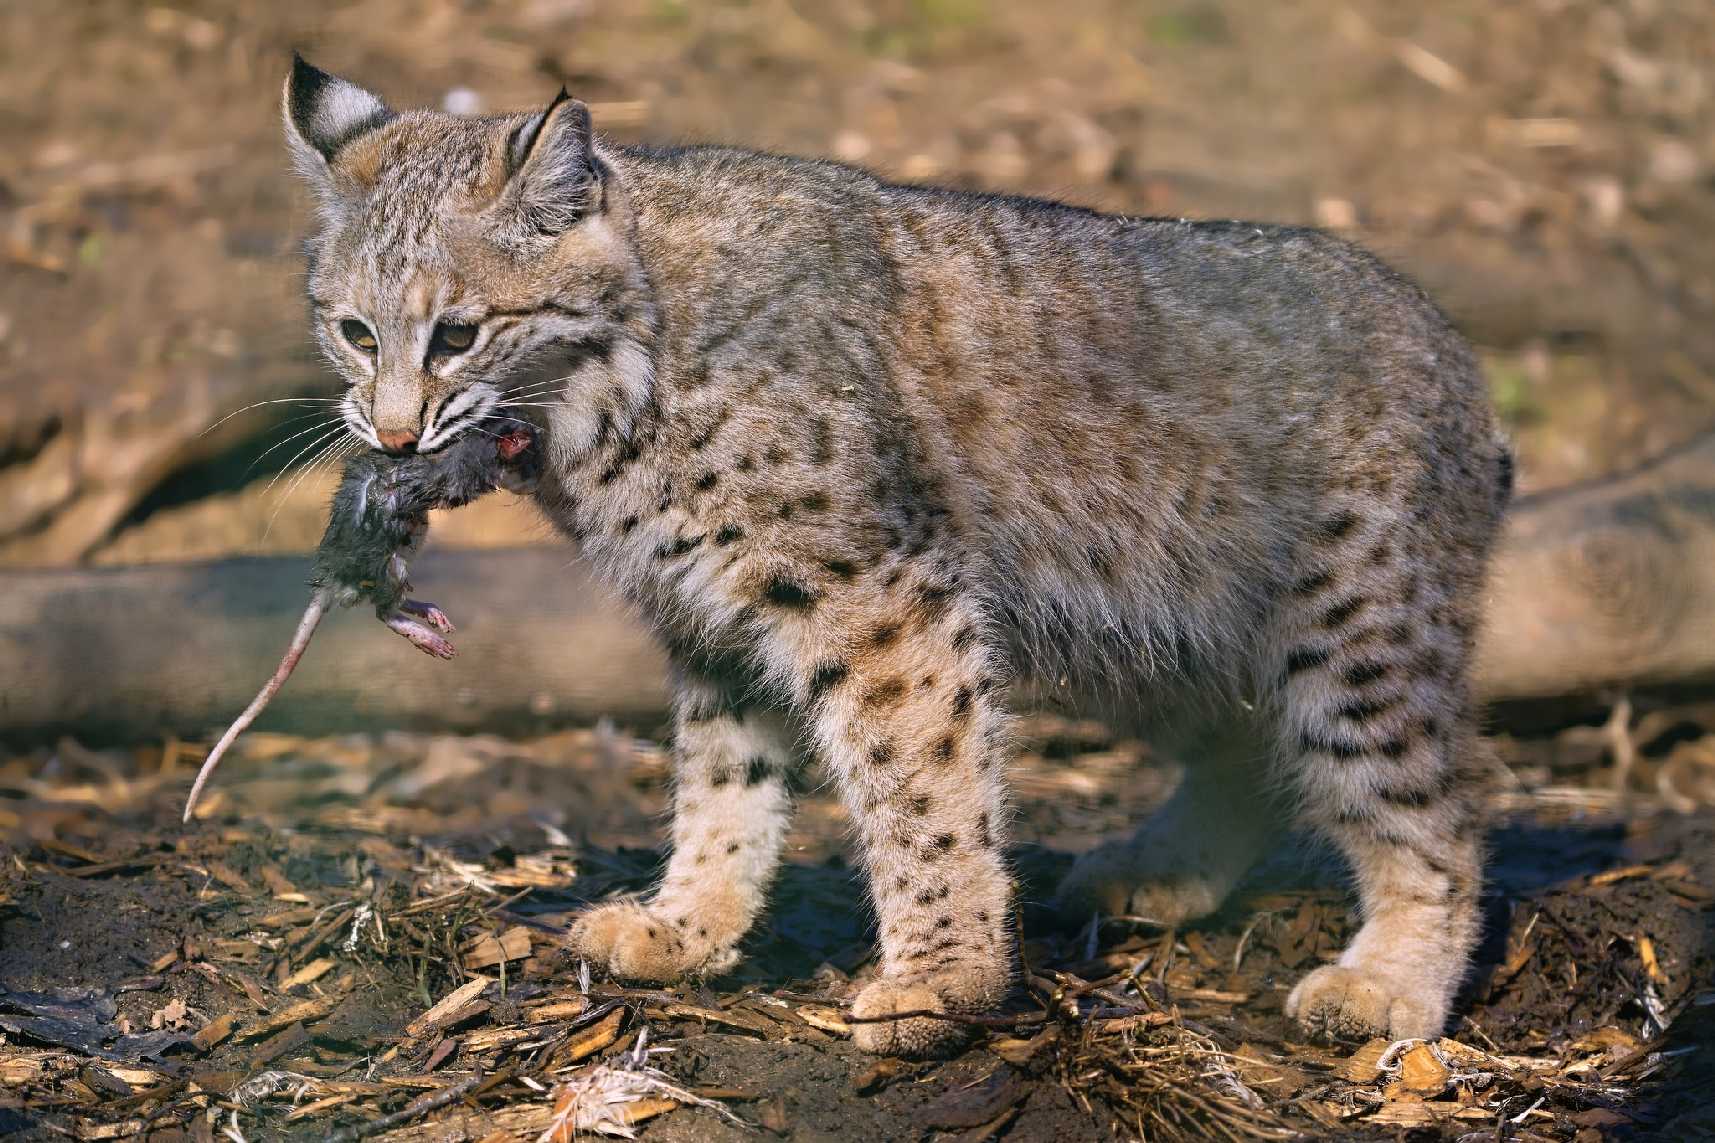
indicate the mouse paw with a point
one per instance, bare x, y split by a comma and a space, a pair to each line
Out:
429, 614
422, 637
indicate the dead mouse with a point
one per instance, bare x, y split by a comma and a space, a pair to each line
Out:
379, 517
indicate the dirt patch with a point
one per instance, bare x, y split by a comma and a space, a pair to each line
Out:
286, 963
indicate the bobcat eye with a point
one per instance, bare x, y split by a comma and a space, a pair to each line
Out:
449, 339
358, 334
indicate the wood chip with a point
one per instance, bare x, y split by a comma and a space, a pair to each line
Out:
490, 1039
732, 1017
228, 876
449, 1006
558, 1010
1361, 1065
287, 918
305, 1011
1625, 873
278, 884
489, 950
592, 1039
1646, 953
315, 970
1409, 1111
648, 1107
1422, 1073
214, 1032
121, 1129
326, 1103
823, 1019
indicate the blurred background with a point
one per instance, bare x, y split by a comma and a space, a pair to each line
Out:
1544, 167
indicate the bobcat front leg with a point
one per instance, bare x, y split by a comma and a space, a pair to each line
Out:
901, 690
731, 809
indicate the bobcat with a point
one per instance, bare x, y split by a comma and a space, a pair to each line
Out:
880, 462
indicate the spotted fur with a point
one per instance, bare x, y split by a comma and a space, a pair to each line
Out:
879, 463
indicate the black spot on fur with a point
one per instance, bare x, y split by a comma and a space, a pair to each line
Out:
728, 533
814, 502
1311, 584
707, 481
1338, 614
1305, 658
1504, 472
934, 598
881, 754
886, 693
825, 678
785, 593
964, 637
678, 547
1362, 710
732, 848
757, 770
627, 525
945, 842
845, 569
885, 634
1366, 672
822, 442
944, 749
962, 702
1338, 525
1336, 748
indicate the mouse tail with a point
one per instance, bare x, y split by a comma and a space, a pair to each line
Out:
300, 642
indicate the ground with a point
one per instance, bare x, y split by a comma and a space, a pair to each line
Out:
284, 964
364, 927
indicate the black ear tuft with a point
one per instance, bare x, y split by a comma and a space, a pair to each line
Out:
324, 112
524, 138
551, 162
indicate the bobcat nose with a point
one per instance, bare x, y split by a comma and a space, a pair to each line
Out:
398, 441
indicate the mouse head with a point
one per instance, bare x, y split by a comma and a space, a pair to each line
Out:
460, 259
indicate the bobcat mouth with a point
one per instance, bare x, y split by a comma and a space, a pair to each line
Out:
459, 413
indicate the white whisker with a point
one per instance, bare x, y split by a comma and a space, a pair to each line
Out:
280, 444
332, 452
288, 465
275, 401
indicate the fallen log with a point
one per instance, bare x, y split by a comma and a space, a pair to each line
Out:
1607, 585
1598, 587
133, 654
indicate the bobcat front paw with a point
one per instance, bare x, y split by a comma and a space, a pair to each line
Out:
1336, 1002
633, 942
914, 1038
880, 1025
1117, 880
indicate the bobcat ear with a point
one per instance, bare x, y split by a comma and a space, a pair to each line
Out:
323, 113
550, 160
